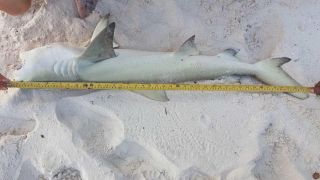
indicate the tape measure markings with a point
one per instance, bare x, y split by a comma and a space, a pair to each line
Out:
152, 86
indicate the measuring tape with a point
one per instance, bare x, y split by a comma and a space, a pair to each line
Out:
5, 84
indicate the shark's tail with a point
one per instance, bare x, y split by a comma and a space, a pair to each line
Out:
269, 71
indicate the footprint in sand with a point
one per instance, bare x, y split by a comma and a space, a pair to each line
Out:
195, 174
244, 171
29, 171
280, 158
94, 129
101, 135
18, 127
67, 174
135, 160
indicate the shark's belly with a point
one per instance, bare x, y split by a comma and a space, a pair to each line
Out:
127, 69
54, 62
163, 68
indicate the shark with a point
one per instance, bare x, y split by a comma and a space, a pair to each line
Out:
99, 61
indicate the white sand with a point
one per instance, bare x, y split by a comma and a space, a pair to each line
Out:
120, 135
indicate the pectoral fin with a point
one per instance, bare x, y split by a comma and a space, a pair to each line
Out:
154, 95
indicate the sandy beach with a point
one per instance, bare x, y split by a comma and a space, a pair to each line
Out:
118, 135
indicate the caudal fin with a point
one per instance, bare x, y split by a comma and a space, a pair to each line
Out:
269, 71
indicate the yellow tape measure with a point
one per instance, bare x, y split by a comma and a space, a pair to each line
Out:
140, 86
6, 83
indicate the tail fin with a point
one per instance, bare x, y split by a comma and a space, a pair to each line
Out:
269, 71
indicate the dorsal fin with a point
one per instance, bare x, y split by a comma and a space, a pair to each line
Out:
188, 47
101, 47
102, 24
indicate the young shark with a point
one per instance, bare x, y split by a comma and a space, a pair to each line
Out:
100, 62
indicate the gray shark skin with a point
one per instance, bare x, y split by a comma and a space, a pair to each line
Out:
100, 62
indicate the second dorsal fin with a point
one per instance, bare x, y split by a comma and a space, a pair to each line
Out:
231, 51
188, 47
101, 47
